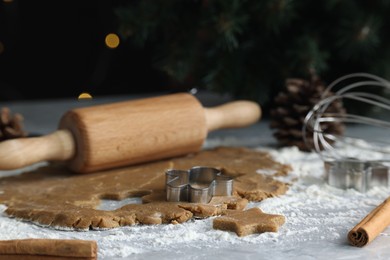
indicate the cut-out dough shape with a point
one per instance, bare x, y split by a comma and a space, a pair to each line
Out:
53, 196
248, 222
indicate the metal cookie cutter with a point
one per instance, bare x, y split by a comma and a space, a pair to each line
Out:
198, 184
357, 174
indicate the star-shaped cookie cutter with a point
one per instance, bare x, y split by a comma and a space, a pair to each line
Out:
198, 184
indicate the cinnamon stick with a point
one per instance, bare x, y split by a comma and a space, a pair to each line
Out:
49, 248
371, 226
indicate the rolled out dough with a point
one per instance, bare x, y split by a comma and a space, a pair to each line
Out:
56, 197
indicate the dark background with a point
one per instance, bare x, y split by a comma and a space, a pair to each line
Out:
55, 49
247, 49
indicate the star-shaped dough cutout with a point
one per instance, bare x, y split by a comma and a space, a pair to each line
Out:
248, 222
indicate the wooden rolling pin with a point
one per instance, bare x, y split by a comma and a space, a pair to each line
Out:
129, 132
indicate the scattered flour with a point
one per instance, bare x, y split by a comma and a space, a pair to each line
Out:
318, 216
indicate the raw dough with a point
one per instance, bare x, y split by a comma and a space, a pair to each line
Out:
54, 196
248, 222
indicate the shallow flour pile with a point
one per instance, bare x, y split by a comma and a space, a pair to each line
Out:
318, 218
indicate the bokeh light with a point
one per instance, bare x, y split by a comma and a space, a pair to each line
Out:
112, 40
85, 95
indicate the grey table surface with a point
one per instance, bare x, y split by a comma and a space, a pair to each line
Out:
42, 117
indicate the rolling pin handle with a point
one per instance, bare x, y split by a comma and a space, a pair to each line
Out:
21, 152
234, 114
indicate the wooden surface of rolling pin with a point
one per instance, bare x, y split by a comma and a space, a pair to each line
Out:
128, 132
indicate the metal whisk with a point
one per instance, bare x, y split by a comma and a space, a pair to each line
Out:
362, 93
353, 158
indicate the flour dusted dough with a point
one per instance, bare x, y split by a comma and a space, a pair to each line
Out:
248, 222
53, 196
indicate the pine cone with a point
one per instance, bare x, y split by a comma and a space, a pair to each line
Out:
292, 104
11, 125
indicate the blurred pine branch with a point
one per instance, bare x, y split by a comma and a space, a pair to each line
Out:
248, 48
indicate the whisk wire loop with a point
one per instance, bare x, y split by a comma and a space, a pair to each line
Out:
362, 92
